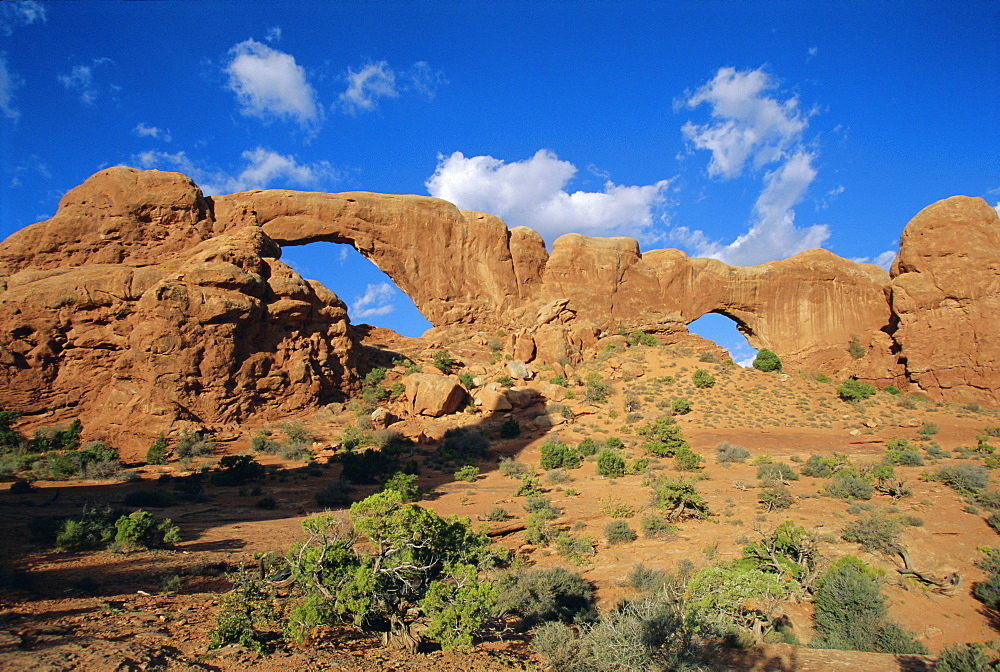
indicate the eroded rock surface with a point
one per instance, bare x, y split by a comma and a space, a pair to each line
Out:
946, 296
137, 308
143, 304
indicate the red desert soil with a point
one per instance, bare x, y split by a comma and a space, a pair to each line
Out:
106, 611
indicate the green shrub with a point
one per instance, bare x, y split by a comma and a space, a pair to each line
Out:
619, 532
610, 464
497, 514
774, 472
988, 591
678, 498
686, 459
666, 437
140, 530
851, 613
443, 361
244, 612
681, 406
528, 488
405, 485
968, 479
597, 390
927, 430
847, 485
856, 349
559, 380
573, 547
656, 527
468, 382
818, 467
587, 447
541, 507
93, 529
193, 444
892, 389
613, 443
726, 453
157, 453
968, 658
642, 338
510, 429
702, 378
511, 468
505, 381
545, 595
875, 533
855, 390
775, 498
468, 473
767, 361
463, 446
556, 455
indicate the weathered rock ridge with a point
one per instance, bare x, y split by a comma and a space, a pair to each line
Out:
142, 303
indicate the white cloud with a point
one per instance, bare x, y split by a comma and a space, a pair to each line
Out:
8, 82
81, 80
377, 80
884, 259
269, 84
144, 131
264, 169
532, 193
997, 208
273, 34
364, 87
750, 127
23, 13
377, 300
747, 125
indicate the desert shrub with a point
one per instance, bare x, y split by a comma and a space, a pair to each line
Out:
587, 447
543, 595
610, 464
244, 612
964, 478
94, 461
651, 633
93, 529
528, 487
541, 507
539, 531
405, 485
727, 595
678, 498
823, 378
467, 380
597, 390
157, 453
790, 550
988, 591
656, 527
266, 503
511, 468
708, 357
497, 514
556, 455
775, 498
463, 446
400, 563
368, 466
892, 389
681, 406
619, 532
848, 485
559, 380
193, 444
510, 429
468, 473
875, 533
686, 459
141, 530
702, 378
851, 613
642, 338
573, 547
818, 467
855, 390
616, 508
639, 465
334, 494
613, 443
905, 458
927, 430
726, 452
775, 472
443, 361
666, 437
505, 381
57, 438
767, 361
855, 348
968, 658
237, 470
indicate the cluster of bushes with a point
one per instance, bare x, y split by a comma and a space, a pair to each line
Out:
294, 447
53, 452
95, 529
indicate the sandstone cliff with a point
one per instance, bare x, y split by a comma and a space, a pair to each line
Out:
143, 304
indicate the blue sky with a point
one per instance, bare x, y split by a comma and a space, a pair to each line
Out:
743, 131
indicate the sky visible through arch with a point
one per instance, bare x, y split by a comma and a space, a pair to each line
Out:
742, 131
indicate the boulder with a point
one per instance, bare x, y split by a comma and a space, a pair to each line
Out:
520, 371
434, 395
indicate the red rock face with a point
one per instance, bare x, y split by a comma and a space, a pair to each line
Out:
157, 318
946, 296
144, 305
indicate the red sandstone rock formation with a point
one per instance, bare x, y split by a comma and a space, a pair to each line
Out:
143, 304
